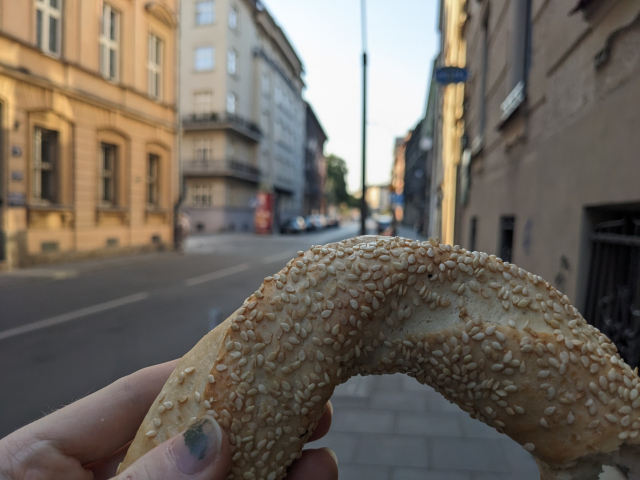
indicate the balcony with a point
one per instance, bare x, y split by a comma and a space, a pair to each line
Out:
221, 168
223, 121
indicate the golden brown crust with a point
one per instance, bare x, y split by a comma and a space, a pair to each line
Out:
501, 343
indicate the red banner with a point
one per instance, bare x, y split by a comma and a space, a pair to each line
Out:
263, 218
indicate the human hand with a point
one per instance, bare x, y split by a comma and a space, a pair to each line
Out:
89, 438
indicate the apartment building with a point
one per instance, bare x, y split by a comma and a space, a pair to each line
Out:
315, 165
551, 171
242, 115
87, 108
396, 186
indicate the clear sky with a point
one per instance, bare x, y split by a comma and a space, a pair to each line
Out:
402, 42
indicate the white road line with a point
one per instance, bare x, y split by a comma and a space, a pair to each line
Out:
279, 257
216, 275
67, 317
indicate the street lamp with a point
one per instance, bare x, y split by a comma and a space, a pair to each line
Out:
363, 201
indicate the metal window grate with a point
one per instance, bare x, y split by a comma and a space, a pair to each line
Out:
613, 292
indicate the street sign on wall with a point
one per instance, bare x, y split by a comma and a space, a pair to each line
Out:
396, 198
447, 75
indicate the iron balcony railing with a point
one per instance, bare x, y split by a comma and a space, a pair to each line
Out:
218, 121
221, 168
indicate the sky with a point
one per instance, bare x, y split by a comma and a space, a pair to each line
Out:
402, 42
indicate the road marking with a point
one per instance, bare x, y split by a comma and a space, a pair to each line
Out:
216, 275
279, 257
67, 317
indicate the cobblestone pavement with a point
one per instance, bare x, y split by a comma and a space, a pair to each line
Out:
393, 428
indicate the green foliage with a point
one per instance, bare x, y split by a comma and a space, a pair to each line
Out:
336, 186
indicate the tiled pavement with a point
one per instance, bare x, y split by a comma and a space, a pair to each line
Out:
392, 428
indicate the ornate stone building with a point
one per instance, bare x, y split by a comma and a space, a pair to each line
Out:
87, 106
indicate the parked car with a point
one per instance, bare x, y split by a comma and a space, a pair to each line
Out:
384, 224
333, 221
317, 221
294, 225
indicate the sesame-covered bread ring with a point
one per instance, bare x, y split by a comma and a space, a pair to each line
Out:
499, 342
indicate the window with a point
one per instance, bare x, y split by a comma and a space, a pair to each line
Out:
155, 66
520, 56
205, 13
48, 18
45, 165
202, 149
233, 17
153, 180
473, 233
232, 58
507, 227
202, 102
201, 195
203, 59
108, 160
484, 68
264, 120
231, 102
109, 41
232, 149
266, 87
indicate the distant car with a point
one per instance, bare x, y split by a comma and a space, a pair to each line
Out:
384, 225
294, 225
318, 222
333, 221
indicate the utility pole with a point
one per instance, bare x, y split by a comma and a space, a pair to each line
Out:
363, 201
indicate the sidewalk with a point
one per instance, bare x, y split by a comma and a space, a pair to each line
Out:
406, 232
393, 428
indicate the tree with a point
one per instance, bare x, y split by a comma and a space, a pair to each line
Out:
336, 187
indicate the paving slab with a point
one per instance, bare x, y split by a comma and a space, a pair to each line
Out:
429, 424
362, 421
468, 454
352, 471
393, 450
400, 401
425, 474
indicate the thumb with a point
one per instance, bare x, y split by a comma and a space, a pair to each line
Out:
199, 453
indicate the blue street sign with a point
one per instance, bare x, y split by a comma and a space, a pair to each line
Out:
446, 75
396, 198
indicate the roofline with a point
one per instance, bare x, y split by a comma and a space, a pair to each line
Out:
260, 9
315, 117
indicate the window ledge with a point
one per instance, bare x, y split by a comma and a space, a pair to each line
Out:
477, 145
158, 210
44, 207
112, 208
512, 104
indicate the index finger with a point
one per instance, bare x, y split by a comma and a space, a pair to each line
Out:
99, 424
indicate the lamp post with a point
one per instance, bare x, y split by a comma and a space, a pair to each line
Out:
363, 200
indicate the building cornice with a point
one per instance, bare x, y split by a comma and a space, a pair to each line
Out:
81, 68
85, 97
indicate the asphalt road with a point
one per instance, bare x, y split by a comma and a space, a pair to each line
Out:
68, 330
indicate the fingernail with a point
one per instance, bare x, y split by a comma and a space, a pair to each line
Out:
329, 405
197, 447
332, 453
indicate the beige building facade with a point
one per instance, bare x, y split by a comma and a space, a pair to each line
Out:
449, 123
87, 107
243, 118
552, 176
